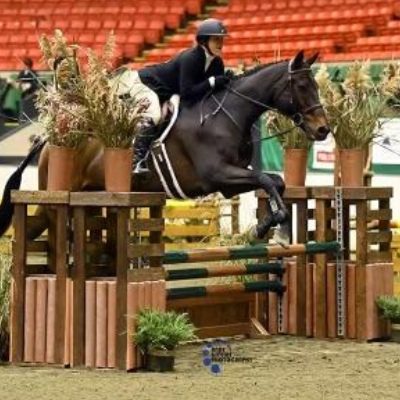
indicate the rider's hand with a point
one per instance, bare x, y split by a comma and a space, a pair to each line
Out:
221, 81
229, 73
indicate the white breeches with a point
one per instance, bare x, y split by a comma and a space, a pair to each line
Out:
129, 82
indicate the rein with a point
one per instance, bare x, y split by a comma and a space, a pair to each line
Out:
297, 118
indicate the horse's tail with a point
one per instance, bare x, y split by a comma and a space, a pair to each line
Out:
14, 182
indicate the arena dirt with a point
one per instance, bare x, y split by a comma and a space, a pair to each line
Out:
281, 368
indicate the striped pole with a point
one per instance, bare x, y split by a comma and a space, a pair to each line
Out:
208, 271
245, 252
225, 289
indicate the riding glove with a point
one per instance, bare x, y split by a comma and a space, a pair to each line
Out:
229, 73
221, 81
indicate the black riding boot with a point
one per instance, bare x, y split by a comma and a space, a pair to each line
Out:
141, 147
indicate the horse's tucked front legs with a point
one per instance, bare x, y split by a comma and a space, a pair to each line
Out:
277, 212
231, 180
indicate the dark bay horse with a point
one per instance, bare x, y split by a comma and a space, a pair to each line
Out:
213, 156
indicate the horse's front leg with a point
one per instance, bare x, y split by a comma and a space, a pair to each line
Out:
232, 180
277, 214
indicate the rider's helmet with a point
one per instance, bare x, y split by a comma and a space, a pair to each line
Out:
210, 27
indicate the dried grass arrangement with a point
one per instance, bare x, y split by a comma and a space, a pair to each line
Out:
83, 100
61, 109
114, 121
356, 106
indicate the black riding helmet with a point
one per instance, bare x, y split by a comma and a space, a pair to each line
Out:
210, 27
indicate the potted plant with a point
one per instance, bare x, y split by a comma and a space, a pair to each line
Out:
158, 334
389, 307
296, 147
355, 108
113, 121
84, 104
61, 111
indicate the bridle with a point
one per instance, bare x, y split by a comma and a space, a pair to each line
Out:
297, 118
291, 73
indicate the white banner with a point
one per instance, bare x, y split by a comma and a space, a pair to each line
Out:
323, 154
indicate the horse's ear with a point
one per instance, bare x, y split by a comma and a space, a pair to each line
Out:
298, 59
312, 59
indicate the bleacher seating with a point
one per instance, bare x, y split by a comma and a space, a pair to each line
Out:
137, 24
341, 30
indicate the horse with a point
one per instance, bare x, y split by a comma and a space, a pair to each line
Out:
210, 154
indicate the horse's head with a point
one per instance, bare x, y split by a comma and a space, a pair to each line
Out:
300, 99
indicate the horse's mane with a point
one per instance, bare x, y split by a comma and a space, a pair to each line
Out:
256, 69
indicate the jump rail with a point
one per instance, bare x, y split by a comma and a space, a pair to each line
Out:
244, 252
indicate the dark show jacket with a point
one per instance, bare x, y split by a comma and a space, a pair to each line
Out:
184, 75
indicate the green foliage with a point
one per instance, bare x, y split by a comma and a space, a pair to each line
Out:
5, 285
389, 307
162, 330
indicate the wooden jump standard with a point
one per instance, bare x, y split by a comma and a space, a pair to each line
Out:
50, 319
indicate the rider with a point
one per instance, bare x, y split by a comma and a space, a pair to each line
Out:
191, 74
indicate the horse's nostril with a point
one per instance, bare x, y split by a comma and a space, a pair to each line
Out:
324, 130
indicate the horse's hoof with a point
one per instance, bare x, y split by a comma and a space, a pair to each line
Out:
281, 238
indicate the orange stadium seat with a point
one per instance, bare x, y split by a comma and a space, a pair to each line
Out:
125, 24
93, 24
392, 27
79, 10
62, 24
378, 43
77, 24
110, 24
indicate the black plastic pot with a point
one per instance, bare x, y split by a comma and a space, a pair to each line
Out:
395, 333
160, 360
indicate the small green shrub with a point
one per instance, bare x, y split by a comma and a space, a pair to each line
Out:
5, 284
162, 330
389, 306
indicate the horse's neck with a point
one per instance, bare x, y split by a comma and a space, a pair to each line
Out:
261, 88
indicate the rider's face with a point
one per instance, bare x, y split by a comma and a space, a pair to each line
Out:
216, 43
